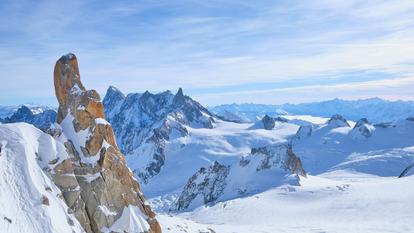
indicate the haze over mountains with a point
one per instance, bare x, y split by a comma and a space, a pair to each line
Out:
375, 109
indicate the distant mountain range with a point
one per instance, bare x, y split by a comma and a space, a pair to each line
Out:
40, 116
375, 109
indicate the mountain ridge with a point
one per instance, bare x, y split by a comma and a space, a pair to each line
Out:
351, 109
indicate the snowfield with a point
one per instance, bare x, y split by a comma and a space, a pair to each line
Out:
340, 201
226, 143
352, 184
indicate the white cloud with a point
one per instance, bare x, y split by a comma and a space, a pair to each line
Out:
203, 44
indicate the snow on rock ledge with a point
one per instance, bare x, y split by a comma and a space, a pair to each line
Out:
271, 166
29, 199
338, 121
362, 129
97, 164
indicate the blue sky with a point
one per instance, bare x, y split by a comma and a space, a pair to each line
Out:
218, 51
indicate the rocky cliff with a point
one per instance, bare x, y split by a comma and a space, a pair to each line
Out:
95, 181
264, 167
362, 129
337, 121
144, 123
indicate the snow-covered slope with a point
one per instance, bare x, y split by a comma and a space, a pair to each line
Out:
197, 164
375, 109
229, 176
29, 199
340, 201
172, 143
374, 149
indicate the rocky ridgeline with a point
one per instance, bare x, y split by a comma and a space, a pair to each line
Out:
143, 123
95, 181
221, 182
337, 121
362, 129
42, 120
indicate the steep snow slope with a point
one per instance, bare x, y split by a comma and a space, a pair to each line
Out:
29, 200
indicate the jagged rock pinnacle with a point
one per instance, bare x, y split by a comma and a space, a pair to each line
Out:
90, 141
66, 76
179, 97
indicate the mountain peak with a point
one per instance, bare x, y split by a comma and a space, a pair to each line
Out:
66, 77
114, 92
180, 92
179, 98
24, 110
90, 140
338, 121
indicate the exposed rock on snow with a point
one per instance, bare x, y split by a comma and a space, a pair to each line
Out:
279, 156
410, 118
337, 121
96, 173
304, 131
207, 184
408, 171
268, 122
250, 175
362, 129
30, 201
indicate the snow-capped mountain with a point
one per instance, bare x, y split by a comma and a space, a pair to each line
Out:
41, 117
203, 172
375, 109
353, 177
184, 164
383, 150
263, 168
143, 123
185, 155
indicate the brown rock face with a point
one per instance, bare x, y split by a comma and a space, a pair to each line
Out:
96, 182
